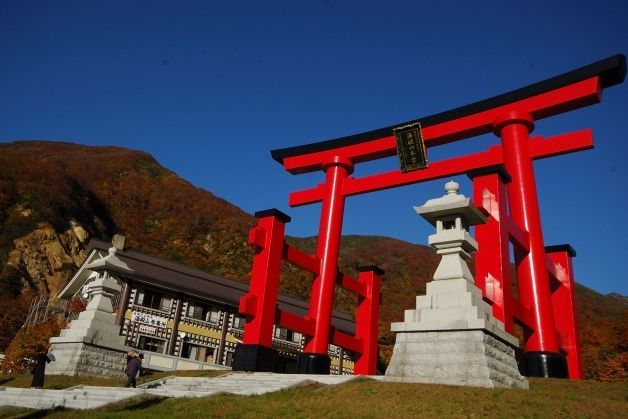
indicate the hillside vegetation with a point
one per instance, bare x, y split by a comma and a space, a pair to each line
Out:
55, 197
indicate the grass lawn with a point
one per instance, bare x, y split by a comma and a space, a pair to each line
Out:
372, 399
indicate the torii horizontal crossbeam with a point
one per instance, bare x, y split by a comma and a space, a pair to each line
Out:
539, 148
568, 91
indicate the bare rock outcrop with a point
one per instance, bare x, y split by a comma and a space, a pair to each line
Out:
46, 259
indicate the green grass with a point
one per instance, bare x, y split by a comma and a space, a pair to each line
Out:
372, 399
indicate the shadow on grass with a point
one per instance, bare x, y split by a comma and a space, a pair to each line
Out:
13, 412
128, 405
38, 413
135, 404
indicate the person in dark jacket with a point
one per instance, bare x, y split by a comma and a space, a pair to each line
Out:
39, 370
133, 365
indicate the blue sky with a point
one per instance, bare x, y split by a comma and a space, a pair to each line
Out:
209, 88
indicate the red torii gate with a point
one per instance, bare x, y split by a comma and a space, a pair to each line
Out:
504, 186
260, 305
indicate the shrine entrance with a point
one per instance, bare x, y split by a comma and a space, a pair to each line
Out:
504, 188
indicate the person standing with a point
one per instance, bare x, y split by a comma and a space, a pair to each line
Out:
133, 365
39, 370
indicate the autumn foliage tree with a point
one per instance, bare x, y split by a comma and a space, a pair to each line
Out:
75, 306
605, 350
31, 341
13, 312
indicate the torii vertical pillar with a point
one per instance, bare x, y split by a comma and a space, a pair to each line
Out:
255, 353
492, 260
564, 304
367, 319
315, 358
543, 357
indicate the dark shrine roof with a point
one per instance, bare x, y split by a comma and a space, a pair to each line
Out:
611, 71
191, 282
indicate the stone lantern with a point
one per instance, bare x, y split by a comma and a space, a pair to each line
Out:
451, 337
452, 215
92, 344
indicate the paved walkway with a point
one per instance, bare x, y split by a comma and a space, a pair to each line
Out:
89, 397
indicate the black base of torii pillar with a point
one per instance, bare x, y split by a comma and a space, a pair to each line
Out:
313, 364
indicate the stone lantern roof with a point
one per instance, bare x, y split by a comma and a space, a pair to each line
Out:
110, 263
451, 204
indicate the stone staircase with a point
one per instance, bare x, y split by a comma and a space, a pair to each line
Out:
86, 397
90, 397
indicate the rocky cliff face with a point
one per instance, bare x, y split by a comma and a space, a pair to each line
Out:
46, 259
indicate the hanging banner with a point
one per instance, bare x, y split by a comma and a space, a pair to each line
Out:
410, 147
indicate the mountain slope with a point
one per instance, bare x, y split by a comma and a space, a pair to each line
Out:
54, 197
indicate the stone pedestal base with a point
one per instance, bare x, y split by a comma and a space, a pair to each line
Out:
467, 357
452, 338
81, 358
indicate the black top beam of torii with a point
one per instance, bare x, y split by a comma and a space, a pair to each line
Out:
611, 71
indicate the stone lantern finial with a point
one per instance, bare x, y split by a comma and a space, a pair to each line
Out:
452, 187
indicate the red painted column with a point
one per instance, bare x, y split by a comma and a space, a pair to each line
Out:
315, 359
367, 319
492, 260
260, 303
564, 303
541, 347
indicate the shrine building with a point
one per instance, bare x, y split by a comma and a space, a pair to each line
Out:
181, 317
